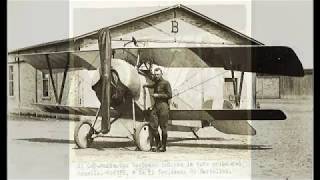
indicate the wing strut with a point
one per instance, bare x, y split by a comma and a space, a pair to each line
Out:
105, 71
240, 88
58, 98
51, 77
237, 94
64, 78
235, 88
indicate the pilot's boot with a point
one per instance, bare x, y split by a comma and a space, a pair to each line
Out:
164, 143
104, 131
105, 126
157, 143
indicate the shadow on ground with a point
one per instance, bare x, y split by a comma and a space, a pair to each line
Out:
100, 145
48, 140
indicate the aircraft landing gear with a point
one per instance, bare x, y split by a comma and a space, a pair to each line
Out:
83, 134
143, 137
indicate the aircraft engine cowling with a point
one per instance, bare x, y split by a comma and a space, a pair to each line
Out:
128, 76
125, 76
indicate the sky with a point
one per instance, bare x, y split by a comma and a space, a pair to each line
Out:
285, 23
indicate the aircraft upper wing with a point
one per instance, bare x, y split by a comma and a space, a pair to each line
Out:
261, 59
277, 60
60, 60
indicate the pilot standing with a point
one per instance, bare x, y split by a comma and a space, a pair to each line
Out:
160, 112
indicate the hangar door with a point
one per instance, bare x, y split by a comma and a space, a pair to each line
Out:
228, 91
267, 88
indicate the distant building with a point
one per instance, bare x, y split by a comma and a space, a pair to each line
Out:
276, 87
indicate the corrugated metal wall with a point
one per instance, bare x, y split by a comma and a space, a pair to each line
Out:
267, 87
294, 87
275, 87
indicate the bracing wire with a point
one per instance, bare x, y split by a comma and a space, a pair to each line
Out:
188, 79
186, 90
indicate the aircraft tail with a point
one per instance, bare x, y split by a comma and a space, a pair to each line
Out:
233, 126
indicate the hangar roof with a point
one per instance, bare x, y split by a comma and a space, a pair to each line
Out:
221, 28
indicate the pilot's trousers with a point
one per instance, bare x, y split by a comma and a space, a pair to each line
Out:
160, 116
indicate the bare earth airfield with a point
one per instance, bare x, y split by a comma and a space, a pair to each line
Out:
40, 148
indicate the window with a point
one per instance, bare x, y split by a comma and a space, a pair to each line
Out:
11, 82
228, 92
45, 84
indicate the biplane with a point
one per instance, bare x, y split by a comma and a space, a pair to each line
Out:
123, 72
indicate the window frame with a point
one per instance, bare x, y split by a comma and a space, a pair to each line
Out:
11, 80
230, 80
47, 80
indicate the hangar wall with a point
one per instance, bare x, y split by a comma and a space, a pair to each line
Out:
284, 87
28, 89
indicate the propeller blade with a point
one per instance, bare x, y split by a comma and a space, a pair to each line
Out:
105, 66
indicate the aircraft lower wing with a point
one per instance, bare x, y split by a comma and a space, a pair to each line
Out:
228, 114
229, 121
226, 121
62, 109
208, 115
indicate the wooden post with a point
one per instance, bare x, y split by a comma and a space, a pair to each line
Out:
36, 84
19, 95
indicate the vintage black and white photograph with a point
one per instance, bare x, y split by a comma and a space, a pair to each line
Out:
160, 89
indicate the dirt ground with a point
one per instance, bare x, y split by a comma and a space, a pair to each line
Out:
44, 148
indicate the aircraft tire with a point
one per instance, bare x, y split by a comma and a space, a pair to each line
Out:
83, 134
143, 137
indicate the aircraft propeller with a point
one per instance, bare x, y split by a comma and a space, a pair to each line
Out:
105, 73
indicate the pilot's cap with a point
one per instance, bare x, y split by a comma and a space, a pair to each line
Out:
157, 69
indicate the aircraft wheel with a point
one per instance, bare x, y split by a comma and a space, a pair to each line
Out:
83, 134
143, 137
